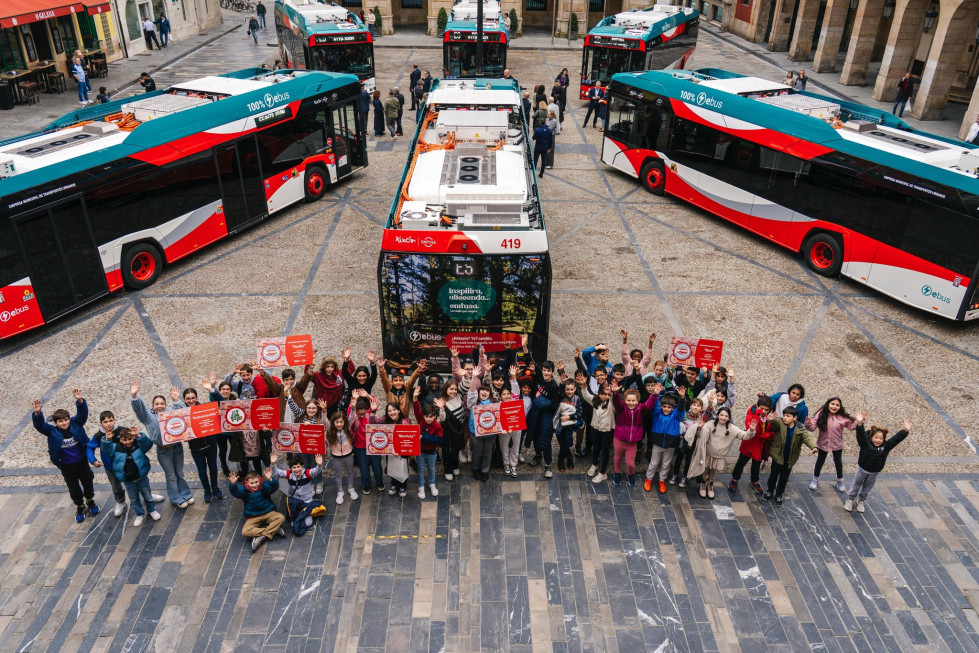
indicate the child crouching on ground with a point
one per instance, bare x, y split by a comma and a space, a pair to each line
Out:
873, 455
131, 466
301, 505
262, 522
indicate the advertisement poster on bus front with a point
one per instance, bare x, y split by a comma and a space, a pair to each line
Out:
288, 351
188, 423
433, 303
389, 439
695, 352
249, 414
502, 417
300, 438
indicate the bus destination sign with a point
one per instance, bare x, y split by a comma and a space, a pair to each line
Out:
273, 116
488, 37
328, 39
615, 42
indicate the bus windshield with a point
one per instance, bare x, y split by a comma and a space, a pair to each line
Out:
354, 58
431, 302
600, 63
461, 58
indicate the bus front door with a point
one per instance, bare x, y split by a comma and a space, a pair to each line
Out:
343, 129
65, 268
242, 187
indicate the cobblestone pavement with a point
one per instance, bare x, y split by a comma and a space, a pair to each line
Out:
509, 565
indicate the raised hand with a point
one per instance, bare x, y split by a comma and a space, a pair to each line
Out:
273, 457
577, 352
454, 352
267, 473
513, 371
439, 403
488, 366
658, 388
134, 388
36, 405
523, 340
374, 402
319, 460
371, 356
323, 405
907, 425
861, 418
652, 339
133, 431
77, 394
560, 364
254, 365
625, 335
615, 386
714, 369
579, 378
730, 373
345, 352
174, 393
423, 364
207, 385
418, 392
214, 378
233, 477
380, 361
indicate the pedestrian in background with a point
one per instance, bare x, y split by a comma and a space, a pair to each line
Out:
260, 10
253, 28
413, 79
371, 20
905, 89
378, 113
391, 110
163, 25
147, 82
401, 108
81, 78
149, 34
543, 142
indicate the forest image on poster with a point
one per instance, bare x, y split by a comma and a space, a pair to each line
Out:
425, 298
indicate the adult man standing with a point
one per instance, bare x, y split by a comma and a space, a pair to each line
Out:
415, 75
905, 88
260, 10
543, 142
595, 96
163, 25
401, 108
391, 109
427, 82
506, 25
149, 33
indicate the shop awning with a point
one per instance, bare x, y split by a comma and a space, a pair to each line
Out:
96, 8
21, 12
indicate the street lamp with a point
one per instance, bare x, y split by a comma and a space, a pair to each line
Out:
930, 17
889, 8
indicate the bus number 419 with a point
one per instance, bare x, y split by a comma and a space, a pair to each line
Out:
510, 243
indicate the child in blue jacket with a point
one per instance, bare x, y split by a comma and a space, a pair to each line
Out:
665, 434
262, 521
131, 467
67, 442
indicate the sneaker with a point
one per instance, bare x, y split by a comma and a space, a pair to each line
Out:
861, 506
848, 506
778, 501
448, 477
138, 521
506, 470
648, 485
339, 498
183, 505
766, 496
281, 532
662, 487
392, 491
840, 487
710, 492
154, 515
599, 478
257, 542
632, 480
157, 498
513, 472
463, 457
560, 465
813, 484
402, 493
434, 491
218, 494
190, 501
520, 458
456, 472
380, 488
207, 497
318, 511
756, 486
571, 465
673, 479
733, 485
617, 479
366, 491
592, 470
79, 514
318, 488
703, 490
93, 508
309, 521
683, 483
353, 494
119, 509
421, 491
547, 471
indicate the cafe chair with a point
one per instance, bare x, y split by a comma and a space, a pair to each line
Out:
28, 92
56, 83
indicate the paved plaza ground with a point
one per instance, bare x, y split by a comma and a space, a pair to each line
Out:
514, 565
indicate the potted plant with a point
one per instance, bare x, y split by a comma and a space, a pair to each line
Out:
442, 21
377, 16
573, 27
513, 22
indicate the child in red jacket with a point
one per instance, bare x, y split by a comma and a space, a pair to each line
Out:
431, 440
755, 449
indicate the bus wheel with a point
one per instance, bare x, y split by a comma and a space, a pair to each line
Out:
315, 183
824, 255
141, 266
653, 177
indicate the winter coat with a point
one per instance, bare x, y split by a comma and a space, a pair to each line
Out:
257, 503
629, 423
329, 387
95, 442
872, 458
643, 364
715, 441
543, 139
300, 487
236, 447
344, 446
666, 429
591, 361
391, 108
151, 421
756, 448
570, 407
800, 437
832, 438
431, 434
403, 399
358, 426
56, 436
350, 375
297, 393
799, 406
602, 417
115, 452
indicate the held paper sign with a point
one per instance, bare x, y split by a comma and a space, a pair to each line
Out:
285, 352
300, 438
400, 439
504, 417
249, 414
695, 352
189, 423
489, 341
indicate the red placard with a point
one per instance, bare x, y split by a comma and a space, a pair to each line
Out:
489, 341
284, 351
695, 352
300, 438
512, 416
249, 414
503, 417
189, 423
388, 439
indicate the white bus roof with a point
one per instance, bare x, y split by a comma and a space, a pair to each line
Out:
467, 9
643, 19
317, 12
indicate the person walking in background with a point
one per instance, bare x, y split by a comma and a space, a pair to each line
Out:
163, 25
413, 79
149, 34
260, 10
543, 142
78, 73
253, 28
905, 89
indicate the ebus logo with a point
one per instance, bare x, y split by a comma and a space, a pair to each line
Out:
416, 336
702, 99
268, 101
6, 315
928, 291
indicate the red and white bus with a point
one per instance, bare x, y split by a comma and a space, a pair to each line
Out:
464, 259
104, 197
855, 190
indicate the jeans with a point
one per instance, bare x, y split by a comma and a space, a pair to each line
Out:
863, 483
901, 102
164, 38
140, 488
542, 155
207, 461
426, 469
255, 35
591, 108
392, 124
366, 464
261, 20
739, 467
778, 477
78, 477
565, 437
172, 461
540, 426
82, 91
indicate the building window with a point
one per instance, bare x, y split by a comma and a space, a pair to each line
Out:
718, 13
10, 54
353, 3
67, 30
536, 5
596, 5
411, 4
56, 37
25, 33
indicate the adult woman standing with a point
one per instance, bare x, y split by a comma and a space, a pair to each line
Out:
378, 113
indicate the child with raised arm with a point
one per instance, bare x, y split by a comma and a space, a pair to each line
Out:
431, 440
67, 442
359, 415
482, 445
684, 452
714, 442
360, 378
262, 521
131, 466
170, 456
567, 419
509, 441
756, 448
398, 390
666, 433
602, 424
787, 441
204, 450
829, 421
341, 443
109, 430
873, 454
635, 361
302, 506
628, 432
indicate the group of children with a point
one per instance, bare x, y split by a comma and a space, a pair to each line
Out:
679, 419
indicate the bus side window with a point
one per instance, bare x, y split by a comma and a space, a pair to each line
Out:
12, 265
191, 183
943, 236
621, 120
283, 146
692, 143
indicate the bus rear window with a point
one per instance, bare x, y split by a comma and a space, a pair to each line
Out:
13, 268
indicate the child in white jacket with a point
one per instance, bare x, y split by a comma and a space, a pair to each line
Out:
602, 425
